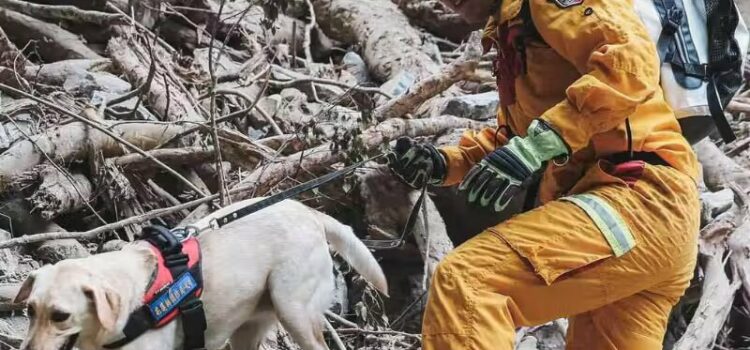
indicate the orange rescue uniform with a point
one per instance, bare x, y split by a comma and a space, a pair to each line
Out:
613, 245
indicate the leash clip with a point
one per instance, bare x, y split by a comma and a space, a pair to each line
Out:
193, 230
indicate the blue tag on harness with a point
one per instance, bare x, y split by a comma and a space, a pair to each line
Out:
171, 298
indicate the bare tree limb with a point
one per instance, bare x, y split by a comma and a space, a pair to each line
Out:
61, 12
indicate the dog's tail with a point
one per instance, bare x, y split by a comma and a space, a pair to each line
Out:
344, 242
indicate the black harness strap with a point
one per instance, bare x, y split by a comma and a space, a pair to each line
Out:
70, 342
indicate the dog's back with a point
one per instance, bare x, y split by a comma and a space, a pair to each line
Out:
277, 259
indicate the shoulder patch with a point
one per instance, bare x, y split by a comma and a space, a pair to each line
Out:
567, 3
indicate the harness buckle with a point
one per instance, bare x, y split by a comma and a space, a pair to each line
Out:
672, 20
173, 260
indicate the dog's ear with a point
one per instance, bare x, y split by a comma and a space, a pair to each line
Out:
106, 304
25, 290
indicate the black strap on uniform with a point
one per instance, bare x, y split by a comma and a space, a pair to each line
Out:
292, 192
725, 61
190, 309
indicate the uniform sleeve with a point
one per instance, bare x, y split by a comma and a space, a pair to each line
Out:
609, 46
470, 150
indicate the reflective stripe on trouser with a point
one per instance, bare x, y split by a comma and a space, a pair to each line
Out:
615, 231
554, 262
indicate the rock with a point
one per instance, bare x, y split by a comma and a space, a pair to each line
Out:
23, 124
51, 252
113, 245
715, 203
550, 336
527, 343
477, 107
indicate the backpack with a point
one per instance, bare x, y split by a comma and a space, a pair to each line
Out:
702, 45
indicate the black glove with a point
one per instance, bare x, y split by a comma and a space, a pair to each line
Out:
417, 164
508, 170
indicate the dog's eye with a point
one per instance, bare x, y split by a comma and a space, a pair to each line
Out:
30, 311
59, 316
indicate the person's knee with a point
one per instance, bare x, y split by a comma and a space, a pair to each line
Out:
445, 276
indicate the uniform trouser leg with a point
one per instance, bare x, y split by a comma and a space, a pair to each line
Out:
554, 262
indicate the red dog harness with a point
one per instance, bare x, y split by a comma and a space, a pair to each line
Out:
174, 290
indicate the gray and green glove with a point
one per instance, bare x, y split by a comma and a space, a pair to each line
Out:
417, 164
508, 170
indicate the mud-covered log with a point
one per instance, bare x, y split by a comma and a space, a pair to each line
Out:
77, 141
715, 305
436, 18
57, 72
60, 12
60, 192
718, 169
462, 68
390, 44
172, 156
54, 43
170, 104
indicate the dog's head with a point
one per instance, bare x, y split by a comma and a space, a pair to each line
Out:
65, 300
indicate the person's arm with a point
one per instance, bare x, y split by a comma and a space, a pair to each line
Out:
471, 149
606, 41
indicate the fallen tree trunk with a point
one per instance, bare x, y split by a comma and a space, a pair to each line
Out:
57, 44
60, 192
75, 141
172, 156
390, 44
61, 12
57, 72
718, 169
436, 18
463, 68
714, 307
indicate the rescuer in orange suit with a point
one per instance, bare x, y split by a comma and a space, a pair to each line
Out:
611, 243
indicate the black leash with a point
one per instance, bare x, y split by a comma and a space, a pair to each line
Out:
320, 181
292, 192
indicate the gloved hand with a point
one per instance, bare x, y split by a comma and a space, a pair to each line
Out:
417, 164
502, 174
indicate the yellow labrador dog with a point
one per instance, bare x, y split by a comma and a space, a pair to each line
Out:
273, 265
